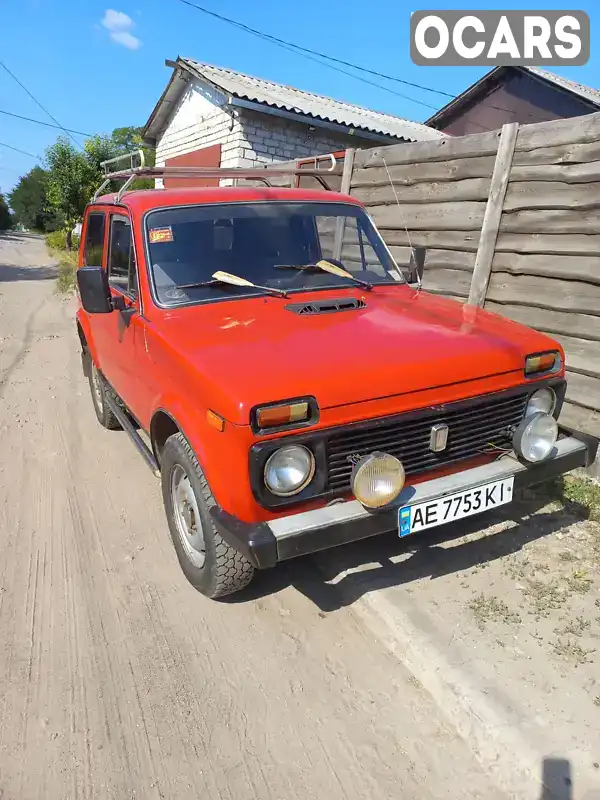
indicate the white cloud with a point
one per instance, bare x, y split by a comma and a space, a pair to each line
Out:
119, 26
116, 20
126, 39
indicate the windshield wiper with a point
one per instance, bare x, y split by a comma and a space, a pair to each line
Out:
327, 266
220, 278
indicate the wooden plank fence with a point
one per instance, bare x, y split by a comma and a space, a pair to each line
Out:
526, 213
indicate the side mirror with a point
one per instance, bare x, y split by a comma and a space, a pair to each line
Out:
416, 265
94, 290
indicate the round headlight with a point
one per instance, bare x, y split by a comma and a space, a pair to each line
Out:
377, 479
535, 437
541, 402
289, 470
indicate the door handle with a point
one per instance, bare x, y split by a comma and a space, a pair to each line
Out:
123, 306
126, 314
126, 310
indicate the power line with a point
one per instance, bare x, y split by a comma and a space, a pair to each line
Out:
16, 149
39, 122
350, 74
315, 55
312, 52
307, 50
37, 102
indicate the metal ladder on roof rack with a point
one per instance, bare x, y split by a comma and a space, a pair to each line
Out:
262, 174
109, 174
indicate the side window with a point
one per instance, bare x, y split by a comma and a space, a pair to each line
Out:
121, 256
93, 250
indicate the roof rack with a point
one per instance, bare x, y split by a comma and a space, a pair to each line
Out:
262, 174
131, 158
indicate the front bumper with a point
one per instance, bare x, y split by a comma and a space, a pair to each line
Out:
266, 543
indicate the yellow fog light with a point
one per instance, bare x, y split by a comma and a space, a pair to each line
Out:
377, 479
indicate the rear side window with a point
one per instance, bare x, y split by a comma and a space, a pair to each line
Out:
94, 240
121, 256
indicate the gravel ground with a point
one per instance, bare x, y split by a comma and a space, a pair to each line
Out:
118, 679
464, 662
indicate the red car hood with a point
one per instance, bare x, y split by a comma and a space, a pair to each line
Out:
256, 351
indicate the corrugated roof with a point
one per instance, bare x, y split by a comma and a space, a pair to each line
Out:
593, 95
297, 101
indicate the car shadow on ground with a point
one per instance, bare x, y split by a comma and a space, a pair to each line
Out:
557, 782
384, 561
10, 273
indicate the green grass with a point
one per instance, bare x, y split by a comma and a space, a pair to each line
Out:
486, 609
574, 627
544, 596
579, 494
66, 271
67, 265
571, 649
579, 582
581, 497
567, 555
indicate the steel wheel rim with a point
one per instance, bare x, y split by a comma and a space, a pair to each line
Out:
97, 388
186, 514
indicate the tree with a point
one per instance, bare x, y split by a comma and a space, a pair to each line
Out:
71, 177
6, 220
29, 202
128, 139
74, 176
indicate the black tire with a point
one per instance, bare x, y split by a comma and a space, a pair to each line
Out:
222, 570
98, 390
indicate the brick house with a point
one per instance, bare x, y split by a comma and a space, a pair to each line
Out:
210, 116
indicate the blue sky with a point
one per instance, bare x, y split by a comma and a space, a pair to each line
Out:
94, 78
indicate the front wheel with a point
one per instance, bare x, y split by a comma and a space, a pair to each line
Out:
106, 418
208, 562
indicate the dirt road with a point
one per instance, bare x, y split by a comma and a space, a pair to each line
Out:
117, 679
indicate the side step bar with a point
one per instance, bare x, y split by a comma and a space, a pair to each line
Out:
129, 428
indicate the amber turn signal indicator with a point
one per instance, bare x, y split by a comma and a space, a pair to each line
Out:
274, 416
297, 412
215, 421
542, 362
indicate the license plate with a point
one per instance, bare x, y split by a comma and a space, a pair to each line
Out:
412, 519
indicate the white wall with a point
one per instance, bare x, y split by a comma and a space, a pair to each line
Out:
200, 119
267, 138
248, 138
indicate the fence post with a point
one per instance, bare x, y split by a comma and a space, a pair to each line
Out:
344, 189
493, 214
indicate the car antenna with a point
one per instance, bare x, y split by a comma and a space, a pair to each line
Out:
413, 255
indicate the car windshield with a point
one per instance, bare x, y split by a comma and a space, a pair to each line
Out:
265, 243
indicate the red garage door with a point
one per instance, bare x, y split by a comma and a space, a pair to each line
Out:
206, 157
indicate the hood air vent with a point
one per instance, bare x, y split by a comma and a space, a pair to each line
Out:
326, 306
